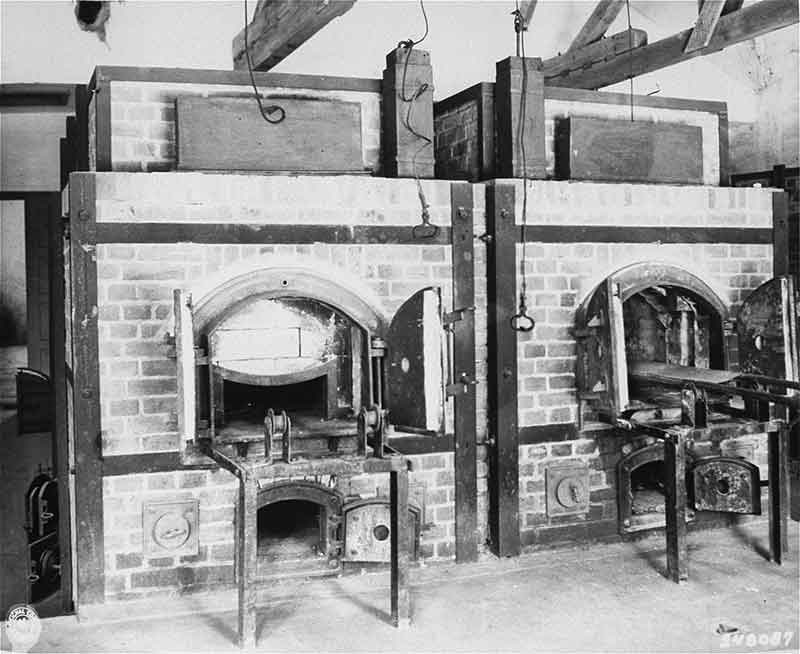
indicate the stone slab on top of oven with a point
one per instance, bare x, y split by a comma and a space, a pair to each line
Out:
622, 150
314, 135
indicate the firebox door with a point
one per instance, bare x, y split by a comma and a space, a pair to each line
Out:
367, 530
726, 484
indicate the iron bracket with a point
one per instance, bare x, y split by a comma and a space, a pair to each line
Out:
461, 387
278, 423
372, 421
456, 315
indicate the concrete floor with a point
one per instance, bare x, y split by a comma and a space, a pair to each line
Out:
602, 598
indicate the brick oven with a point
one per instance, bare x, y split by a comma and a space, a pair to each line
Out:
224, 318
249, 354
591, 252
296, 327
622, 281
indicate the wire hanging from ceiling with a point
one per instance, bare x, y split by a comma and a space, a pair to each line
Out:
425, 229
268, 111
630, 53
522, 321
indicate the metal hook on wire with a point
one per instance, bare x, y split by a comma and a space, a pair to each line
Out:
425, 229
521, 321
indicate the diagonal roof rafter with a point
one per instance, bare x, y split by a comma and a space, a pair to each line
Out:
739, 24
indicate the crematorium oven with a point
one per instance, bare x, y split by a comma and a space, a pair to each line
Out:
661, 360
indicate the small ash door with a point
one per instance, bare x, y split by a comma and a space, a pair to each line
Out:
414, 372
766, 328
726, 484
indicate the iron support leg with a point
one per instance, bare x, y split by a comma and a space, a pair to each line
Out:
675, 505
247, 560
401, 613
778, 498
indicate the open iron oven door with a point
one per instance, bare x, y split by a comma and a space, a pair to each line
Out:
766, 327
414, 374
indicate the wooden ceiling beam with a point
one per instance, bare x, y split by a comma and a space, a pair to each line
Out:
731, 5
526, 9
593, 53
595, 27
741, 25
707, 20
37, 98
279, 27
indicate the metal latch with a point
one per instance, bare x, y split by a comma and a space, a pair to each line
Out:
200, 356
452, 317
461, 387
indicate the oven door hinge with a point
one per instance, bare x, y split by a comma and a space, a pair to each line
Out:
451, 317
169, 342
460, 387
200, 357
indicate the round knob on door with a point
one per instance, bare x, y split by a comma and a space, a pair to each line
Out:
570, 492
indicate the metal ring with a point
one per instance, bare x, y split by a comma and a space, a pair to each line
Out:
271, 109
522, 322
425, 230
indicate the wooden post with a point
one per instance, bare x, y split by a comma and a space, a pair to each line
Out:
89, 550
675, 505
501, 271
58, 376
100, 87
408, 114
466, 482
247, 559
508, 92
778, 485
398, 497
781, 265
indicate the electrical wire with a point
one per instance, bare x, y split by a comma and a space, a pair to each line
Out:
269, 109
425, 229
630, 53
410, 43
521, 321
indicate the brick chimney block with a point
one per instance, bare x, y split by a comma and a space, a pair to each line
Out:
408, 135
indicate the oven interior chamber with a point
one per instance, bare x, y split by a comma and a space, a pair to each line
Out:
625, 337
300, 356
667, 326
291, 354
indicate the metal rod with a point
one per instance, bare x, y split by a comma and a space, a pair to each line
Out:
675, 506
778, 496
770, 381
786, 400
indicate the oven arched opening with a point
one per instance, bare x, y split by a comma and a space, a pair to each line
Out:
299, 522
645, 319
641, 490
